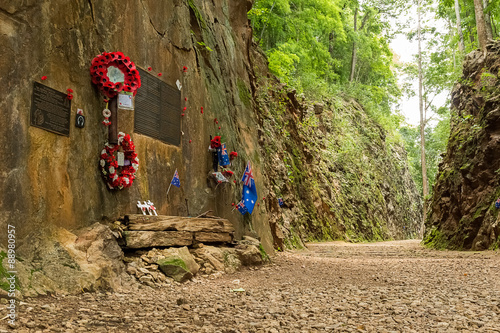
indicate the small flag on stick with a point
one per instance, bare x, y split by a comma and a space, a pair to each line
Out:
242, 208
175, 181
249, 189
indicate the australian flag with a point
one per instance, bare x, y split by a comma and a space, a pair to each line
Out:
242, 208
249, 189
223, 156
176, 181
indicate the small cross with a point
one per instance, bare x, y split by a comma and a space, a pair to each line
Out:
142, 207
152, 208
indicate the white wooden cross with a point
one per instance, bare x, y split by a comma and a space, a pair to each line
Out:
142, 207
151, 208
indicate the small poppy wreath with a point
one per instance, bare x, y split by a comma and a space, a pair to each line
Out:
114, 178
215, 142
99, 72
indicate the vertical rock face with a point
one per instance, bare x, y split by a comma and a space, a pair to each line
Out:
53, 180
332, 164
462, 212
329, 162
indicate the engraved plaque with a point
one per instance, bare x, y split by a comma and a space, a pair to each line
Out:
158, 110
50, 109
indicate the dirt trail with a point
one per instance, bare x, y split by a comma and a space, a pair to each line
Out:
332, 287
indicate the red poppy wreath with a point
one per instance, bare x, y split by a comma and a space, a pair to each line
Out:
100, 74
115, 178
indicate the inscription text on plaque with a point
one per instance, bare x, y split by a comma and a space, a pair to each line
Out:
50, 109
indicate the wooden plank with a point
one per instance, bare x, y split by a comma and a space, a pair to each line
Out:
192, 225
145, 239
213, 237
179, 223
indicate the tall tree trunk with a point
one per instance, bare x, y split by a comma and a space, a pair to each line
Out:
461, 44
353, 58
480, 24
331, 43
487, 20
422, 120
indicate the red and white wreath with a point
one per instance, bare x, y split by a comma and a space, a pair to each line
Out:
119, 177
99, 72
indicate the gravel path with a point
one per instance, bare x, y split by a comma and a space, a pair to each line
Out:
332, 287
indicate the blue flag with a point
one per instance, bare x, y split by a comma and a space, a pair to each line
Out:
280, 201
242, 208
223, 156
176, 181
249, 189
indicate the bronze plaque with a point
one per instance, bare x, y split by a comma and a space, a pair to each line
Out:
50, 109
158, 110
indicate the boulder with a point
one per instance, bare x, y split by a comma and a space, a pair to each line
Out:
69, 263
178, 264
250, 256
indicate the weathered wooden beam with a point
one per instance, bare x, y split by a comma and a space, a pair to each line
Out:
145, 239
179, 223
213, 237
113, 128
192, 225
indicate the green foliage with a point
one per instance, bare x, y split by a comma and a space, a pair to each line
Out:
446, 10
436, 139
309, 44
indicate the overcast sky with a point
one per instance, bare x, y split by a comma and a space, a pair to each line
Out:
406, 51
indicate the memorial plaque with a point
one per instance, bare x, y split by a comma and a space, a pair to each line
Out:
50, 109
158, 110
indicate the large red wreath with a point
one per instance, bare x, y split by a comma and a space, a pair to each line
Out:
114, 178
99, 72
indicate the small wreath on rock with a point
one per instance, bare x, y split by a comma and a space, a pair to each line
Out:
115, 178
99, 72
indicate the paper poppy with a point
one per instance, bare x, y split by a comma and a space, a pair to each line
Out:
189, 141
159, 74
182, 115
69, 90
215, 119
69, 96
44, 78
149, 69
234, 181
185, 98
264, 198
219, 127
184, 69
185, 108
215, 142
233, 155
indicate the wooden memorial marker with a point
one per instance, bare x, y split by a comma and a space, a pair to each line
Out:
113, 128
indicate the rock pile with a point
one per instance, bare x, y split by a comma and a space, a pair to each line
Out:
160, 267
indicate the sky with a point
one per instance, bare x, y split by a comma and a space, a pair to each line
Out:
406, 50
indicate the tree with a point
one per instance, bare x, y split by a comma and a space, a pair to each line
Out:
422, 117
487, 21
461, 44
480, 24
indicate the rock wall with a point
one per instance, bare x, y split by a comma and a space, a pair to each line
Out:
462, 213
53, 180
338, 172
331, 163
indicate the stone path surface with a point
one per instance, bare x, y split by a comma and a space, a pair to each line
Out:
332, 287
